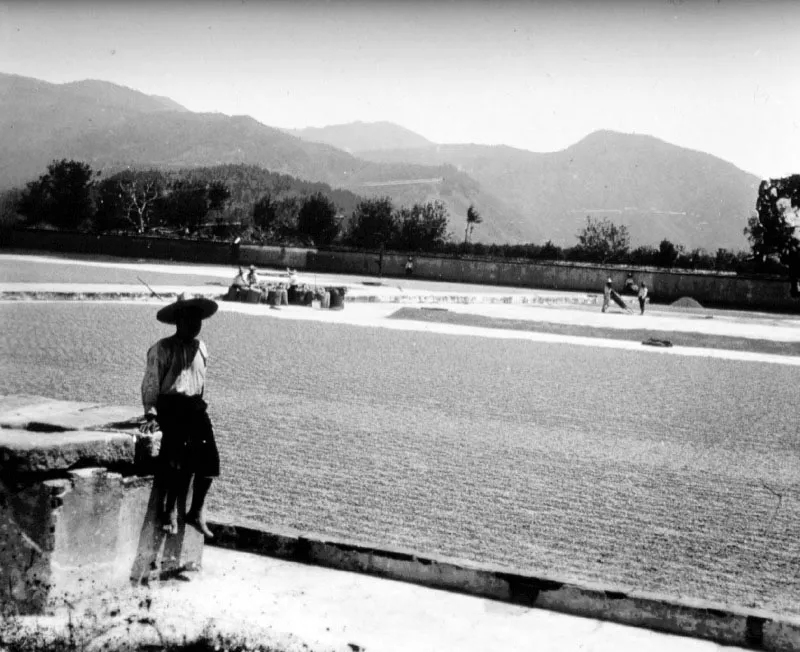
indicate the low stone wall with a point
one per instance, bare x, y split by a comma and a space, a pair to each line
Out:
712, 289
665, 286
78, 506
720, 623
278, 257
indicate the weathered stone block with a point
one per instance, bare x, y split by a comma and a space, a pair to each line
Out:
67, 538
23, 451
69, 526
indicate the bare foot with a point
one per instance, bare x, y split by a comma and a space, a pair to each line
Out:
169, 523
198, 521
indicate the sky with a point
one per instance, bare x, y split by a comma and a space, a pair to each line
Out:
720, 76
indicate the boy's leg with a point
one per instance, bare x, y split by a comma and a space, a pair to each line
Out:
177, 488
169, 514
196, 515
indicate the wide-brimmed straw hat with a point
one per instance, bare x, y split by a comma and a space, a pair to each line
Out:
204, 307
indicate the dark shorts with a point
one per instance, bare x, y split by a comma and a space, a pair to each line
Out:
187, 436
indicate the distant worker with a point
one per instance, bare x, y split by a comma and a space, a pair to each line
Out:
172, 395
409, 266
237, 288
642, 296
630, 286
292, 274
239, 280
607, 295
252, 277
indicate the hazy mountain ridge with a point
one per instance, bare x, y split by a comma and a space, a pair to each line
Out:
40, 122
658, 190
363, 136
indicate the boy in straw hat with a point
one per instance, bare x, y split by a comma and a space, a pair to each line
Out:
172, 394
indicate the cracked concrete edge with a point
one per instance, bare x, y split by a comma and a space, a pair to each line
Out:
756, 629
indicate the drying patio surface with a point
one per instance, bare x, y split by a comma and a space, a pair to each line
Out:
541, 325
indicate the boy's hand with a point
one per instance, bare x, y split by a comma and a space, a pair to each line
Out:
150, 426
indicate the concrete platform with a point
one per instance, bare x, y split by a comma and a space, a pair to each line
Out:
38, 452
78, 503
40, 413
40, 434
282, 605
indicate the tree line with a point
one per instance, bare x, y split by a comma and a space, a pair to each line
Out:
265, 207
213, 202
605, 242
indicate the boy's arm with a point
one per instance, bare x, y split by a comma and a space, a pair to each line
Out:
204, 354
151, 383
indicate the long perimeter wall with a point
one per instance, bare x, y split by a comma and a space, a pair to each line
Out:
712, 289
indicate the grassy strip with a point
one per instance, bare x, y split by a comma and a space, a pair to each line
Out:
677, 338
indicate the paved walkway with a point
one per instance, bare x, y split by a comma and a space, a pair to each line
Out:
291, 606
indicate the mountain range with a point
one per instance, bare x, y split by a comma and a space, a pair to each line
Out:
657, 189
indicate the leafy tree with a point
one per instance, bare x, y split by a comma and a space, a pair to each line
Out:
603, 241
61, 197
771, 231
551, 251
183, 204
645, 255
108, 212
217, 193
423, 227
473, 219
373, 224
186, 202
667, 253
276, 217
317, 219
725, 260
9, 200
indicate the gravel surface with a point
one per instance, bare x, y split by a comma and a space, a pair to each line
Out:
677, 338
677, 475
52, 269
14, 271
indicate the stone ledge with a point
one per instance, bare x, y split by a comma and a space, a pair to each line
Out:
46, 414
17, 411
23, 451
694, 618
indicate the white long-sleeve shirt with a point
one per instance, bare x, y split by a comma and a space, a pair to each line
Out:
173, 367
